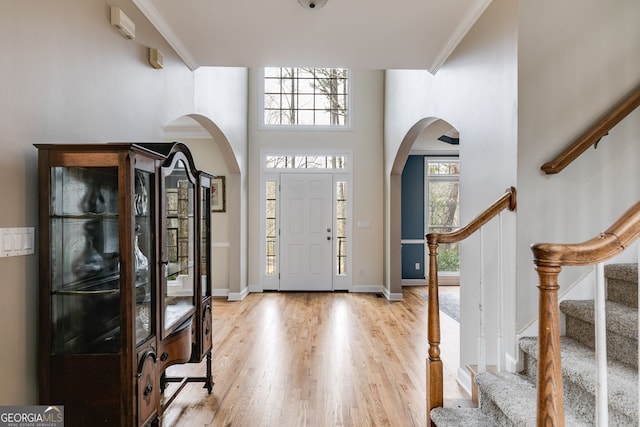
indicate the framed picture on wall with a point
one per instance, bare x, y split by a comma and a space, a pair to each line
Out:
218, 201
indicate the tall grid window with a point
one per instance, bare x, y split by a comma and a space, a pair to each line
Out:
306, 96
443, 202
341, 227
270, 237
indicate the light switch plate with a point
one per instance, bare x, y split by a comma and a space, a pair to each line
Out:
6, 242
17, 241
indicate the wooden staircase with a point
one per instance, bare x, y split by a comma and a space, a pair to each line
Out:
538, 397
508, 399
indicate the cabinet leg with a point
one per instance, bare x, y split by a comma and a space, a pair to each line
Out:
209, 380
156, 422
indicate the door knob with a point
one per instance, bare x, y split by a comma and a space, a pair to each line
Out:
328, 230
328, 237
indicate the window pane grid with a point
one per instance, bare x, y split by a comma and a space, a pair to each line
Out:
305, 162
270, 234
443, 208
443, 168
305, 96
341, 227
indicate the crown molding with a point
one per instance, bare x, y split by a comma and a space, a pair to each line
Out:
460, 32
160, 24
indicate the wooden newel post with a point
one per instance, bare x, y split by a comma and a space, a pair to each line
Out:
435, 382
549, 377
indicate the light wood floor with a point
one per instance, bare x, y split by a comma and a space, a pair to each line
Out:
317, 359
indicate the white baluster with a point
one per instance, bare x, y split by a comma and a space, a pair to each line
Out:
500, 350
482, 362
602, 409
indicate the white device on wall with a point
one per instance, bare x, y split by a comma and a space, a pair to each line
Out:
122, 22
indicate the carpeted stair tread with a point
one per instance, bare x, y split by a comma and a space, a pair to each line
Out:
622, 283
578, 366
515, 397
621, 318
626, 272
467, 417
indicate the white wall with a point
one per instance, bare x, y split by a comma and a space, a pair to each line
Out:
67, 75
222, 96
577, 58
365, 142
475, 91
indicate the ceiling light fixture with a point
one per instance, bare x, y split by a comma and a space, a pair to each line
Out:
312, 4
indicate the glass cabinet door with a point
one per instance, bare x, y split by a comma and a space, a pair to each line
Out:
179, 242
85, 270
143, 253
202, 347
205, 235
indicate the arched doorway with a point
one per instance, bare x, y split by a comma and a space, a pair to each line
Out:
430, 201
213, 153
422, 142
425, 132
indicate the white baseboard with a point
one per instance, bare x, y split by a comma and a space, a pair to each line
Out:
377, 290
415, 282
235, 296
367, 289
464, 379
256, 289
392, 296
220, 293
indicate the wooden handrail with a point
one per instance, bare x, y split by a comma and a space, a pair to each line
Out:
507, 201
549, 259
594, 133
600, 248
434, 372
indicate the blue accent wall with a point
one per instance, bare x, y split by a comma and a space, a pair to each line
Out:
412, 254
413, 217
413, 198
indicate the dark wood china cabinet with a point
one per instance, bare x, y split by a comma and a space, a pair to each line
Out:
125, 278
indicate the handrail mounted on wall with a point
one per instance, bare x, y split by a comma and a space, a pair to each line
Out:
594, 133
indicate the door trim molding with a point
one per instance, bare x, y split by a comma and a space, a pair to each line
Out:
343, 282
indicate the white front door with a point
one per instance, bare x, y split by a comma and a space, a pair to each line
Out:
306, 232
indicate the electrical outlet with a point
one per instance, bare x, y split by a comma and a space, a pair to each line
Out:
417, 266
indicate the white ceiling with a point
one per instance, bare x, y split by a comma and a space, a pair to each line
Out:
364, 34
